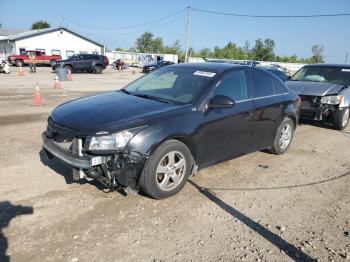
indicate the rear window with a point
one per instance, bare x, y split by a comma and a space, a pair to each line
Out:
279, 87
263, 85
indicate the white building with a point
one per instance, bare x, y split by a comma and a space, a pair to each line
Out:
53, 41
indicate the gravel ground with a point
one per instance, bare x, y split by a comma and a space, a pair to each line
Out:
259, 207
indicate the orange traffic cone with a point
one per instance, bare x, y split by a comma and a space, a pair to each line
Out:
37, 96
21, 71
69, 76
57, 84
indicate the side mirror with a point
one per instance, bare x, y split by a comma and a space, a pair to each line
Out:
289, 77
220, 101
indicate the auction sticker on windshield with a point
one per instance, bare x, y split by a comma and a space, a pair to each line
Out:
345, 70
203, 73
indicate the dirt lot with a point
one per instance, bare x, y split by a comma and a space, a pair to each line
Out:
260, 207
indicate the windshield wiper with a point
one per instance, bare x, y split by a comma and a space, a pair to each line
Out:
125, 91
152, 98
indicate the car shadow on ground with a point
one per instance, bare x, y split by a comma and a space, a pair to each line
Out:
289, 249
7, 213
320, 124
282, 187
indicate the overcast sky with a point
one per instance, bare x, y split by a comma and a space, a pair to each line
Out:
292, 35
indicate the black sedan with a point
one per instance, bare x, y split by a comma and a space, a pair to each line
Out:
156, 65
163, 127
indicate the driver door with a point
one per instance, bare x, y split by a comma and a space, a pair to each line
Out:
226, 132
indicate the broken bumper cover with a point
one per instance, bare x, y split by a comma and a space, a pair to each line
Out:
83, 162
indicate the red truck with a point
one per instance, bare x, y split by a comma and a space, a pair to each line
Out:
41, 58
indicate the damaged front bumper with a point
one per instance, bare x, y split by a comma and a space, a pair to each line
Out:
120, 169
312, 108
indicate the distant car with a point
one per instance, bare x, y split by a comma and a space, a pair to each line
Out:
280, 74
40, 57
83, 62
156, 65
159, 129
324, 91
119, 64
281, 68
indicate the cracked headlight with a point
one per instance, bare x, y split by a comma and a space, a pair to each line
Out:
110, 142
332, 100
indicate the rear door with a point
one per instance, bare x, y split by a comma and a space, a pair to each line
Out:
268, 109
226, 132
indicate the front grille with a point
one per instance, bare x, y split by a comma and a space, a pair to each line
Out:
60, 133
310, 102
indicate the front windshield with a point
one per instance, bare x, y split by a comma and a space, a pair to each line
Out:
172, 84
323, 74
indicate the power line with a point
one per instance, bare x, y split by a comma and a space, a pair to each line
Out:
128, 27
268, 16
138, 31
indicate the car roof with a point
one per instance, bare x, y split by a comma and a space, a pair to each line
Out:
329, 65
210, 66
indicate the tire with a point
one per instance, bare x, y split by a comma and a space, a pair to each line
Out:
98, 69
283, 137
341, 118
19, 63
172, 157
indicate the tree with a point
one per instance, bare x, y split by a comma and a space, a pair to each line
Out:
263, 50
119, 49
317, 54
205, 52
41, 24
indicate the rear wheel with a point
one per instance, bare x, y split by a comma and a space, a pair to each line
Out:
341, 118
284, 137
98, 69
166, 171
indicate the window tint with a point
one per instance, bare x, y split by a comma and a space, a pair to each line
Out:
233, 86
279, 87
262, 84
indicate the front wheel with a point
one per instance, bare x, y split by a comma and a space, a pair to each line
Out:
284, 137
98, 69
166, 171
341, 118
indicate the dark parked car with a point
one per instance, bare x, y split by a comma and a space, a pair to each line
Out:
83, 63
156, 65
324, 91
162, 127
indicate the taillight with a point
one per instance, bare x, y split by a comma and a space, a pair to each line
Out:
105, 60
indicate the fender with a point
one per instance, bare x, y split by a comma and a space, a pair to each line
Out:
181, 128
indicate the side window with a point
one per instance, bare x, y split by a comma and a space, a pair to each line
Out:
279, 87
262, 84
234, 86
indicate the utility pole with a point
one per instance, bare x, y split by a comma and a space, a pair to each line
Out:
346, 57
187, 32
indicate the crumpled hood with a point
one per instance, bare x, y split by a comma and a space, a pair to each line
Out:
314, 88
109, 112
